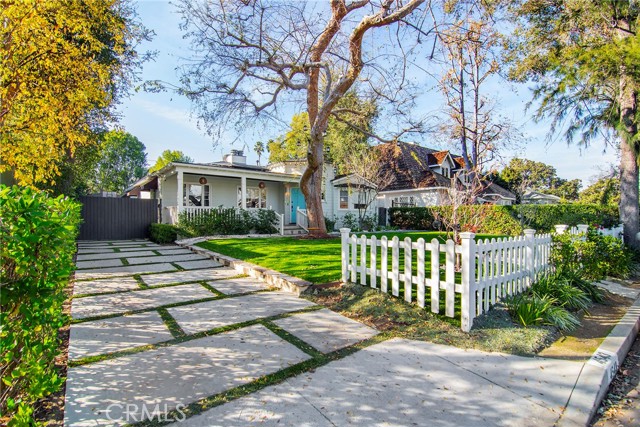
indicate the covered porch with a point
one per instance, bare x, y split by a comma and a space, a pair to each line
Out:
193, 189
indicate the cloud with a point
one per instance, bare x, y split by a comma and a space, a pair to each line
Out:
179, 116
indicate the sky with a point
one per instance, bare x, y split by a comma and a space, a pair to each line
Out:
165, 121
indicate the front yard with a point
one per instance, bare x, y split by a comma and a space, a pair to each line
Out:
315, 260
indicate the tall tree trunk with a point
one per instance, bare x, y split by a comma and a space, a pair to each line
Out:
629, 214
311, 184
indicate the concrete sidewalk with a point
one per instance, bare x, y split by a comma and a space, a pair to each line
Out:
410, 383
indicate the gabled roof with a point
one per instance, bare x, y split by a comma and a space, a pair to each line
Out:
495, 189
407, 166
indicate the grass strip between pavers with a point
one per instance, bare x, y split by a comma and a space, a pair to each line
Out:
206, 403
171, 323
184, 338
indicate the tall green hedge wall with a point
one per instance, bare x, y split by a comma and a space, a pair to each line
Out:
38, 235
509, 220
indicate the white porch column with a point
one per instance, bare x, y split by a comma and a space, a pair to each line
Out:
180, 194
243, 192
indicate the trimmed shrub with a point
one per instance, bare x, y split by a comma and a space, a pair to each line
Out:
38, 235
595, 256
163, 233
265, 221
543, 218
509, 220
489, 219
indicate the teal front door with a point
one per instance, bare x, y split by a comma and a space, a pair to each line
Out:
297, 201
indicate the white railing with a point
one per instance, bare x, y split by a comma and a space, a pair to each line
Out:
480, 272
617, 232
280, 223
302, 220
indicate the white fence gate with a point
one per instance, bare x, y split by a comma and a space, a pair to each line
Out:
479, 273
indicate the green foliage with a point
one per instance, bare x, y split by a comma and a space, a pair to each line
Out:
330, 224
531, 309
63, 66
264, 221
490, 219
122, 161
38, 242
163, 233
169, 156
524, 174
543, 218
349, 220
605, 191
559, 287
226, 221
341, 139
594, 255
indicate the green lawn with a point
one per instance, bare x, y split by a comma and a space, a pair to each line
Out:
315, 260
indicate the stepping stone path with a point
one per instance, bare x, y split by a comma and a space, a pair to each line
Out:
157, 328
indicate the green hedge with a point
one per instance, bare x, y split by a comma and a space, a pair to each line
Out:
163, 233
38, 243
545, 217
494, 219
510, 220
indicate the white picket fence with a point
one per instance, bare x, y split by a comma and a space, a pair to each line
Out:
478, 273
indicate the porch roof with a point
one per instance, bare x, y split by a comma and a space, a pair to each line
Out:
234, 171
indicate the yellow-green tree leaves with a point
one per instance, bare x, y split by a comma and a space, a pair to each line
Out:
62, 67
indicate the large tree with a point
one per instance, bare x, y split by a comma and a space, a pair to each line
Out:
471, 47
252, 55
168, 156
63, 65
521, 175
584, 58
122, 161
346, 134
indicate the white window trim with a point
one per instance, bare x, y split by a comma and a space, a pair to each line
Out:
247, 192
340, 200
186, 184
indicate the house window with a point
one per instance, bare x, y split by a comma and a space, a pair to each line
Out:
403, 202
256, 198
196, 195
344, 198
445, 172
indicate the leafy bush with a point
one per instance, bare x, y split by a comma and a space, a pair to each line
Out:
594, 255
225, 221
265, 221
163, 233
509, 220
330, 224
490, 219
349, 220
543, 218
38, 242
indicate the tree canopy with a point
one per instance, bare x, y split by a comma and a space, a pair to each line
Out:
584, 58
168, 156
122, 161
521, 175
63, 65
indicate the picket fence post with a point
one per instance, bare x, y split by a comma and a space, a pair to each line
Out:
468, 280
344, 236
530, 254
561, 228
583, 228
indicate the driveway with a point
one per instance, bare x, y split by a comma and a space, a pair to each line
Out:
166, 336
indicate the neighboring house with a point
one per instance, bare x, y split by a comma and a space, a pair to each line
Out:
413, 175
537, 198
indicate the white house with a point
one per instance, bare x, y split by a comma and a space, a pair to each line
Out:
414, 176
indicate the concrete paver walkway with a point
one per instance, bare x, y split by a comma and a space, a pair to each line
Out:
126, 366
195, 334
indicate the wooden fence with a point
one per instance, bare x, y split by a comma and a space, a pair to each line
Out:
110, 218
469, 277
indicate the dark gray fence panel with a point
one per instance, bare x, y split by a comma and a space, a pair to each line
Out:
110, 218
